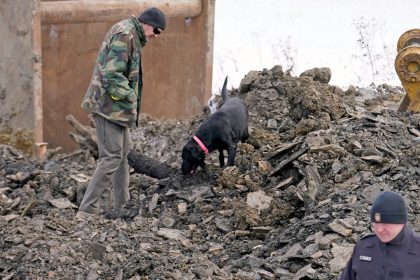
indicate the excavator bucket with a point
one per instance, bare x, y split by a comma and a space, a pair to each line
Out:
407, 66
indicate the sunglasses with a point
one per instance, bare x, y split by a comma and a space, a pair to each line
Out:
156, 31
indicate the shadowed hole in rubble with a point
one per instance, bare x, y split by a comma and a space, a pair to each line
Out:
297, 178
295, 264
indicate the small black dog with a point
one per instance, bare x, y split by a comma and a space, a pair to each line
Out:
222, 131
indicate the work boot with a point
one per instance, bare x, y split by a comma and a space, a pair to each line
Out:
115, 213
123, 213
82, 215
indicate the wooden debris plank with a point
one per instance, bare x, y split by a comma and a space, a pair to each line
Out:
290, 159
282, 150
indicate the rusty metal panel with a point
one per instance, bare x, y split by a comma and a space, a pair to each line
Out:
69, 53
178, 68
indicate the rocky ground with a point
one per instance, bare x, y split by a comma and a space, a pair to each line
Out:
291, 208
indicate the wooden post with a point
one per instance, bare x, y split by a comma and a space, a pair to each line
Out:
21, 73
39, 147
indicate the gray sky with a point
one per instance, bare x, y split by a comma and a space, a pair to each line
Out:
257, 34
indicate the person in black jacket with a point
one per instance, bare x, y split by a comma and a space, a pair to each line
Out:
392, 251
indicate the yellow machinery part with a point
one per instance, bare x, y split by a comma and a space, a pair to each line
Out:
407, 66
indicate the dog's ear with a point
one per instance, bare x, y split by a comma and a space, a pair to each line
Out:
187, 159
224, 93
197, 153
192, 152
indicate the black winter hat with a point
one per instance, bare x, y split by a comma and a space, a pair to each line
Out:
154, 17
388, 208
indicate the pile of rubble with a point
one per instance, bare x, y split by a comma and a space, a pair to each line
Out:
291, 208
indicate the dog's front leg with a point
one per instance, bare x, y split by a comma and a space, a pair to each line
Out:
221, 158
231, 154
203, 166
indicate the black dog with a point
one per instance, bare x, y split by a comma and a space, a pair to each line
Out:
222, 131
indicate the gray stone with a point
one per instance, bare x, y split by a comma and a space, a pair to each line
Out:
372, 191
258, 200
266, 274
322, 74
223, 224
170, 233
341, 253
272, 123
306, 272
97, 251
339, 228
327, 240
247, 275
248, 80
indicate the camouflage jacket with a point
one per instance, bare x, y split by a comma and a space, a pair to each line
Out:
115, 89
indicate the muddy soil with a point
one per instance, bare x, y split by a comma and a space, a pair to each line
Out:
292, 207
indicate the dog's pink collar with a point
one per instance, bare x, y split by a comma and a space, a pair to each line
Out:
198, 141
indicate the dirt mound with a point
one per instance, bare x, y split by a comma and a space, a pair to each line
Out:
291, 208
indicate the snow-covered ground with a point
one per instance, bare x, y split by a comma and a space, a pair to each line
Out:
302, 34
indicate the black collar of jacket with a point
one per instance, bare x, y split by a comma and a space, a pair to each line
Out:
402, 237
140, 31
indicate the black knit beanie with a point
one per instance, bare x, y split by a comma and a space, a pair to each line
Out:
154, 17
388, 208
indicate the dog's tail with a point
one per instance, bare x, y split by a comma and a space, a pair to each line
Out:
224, 93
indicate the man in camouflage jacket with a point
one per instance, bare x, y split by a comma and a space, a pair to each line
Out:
114, 98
